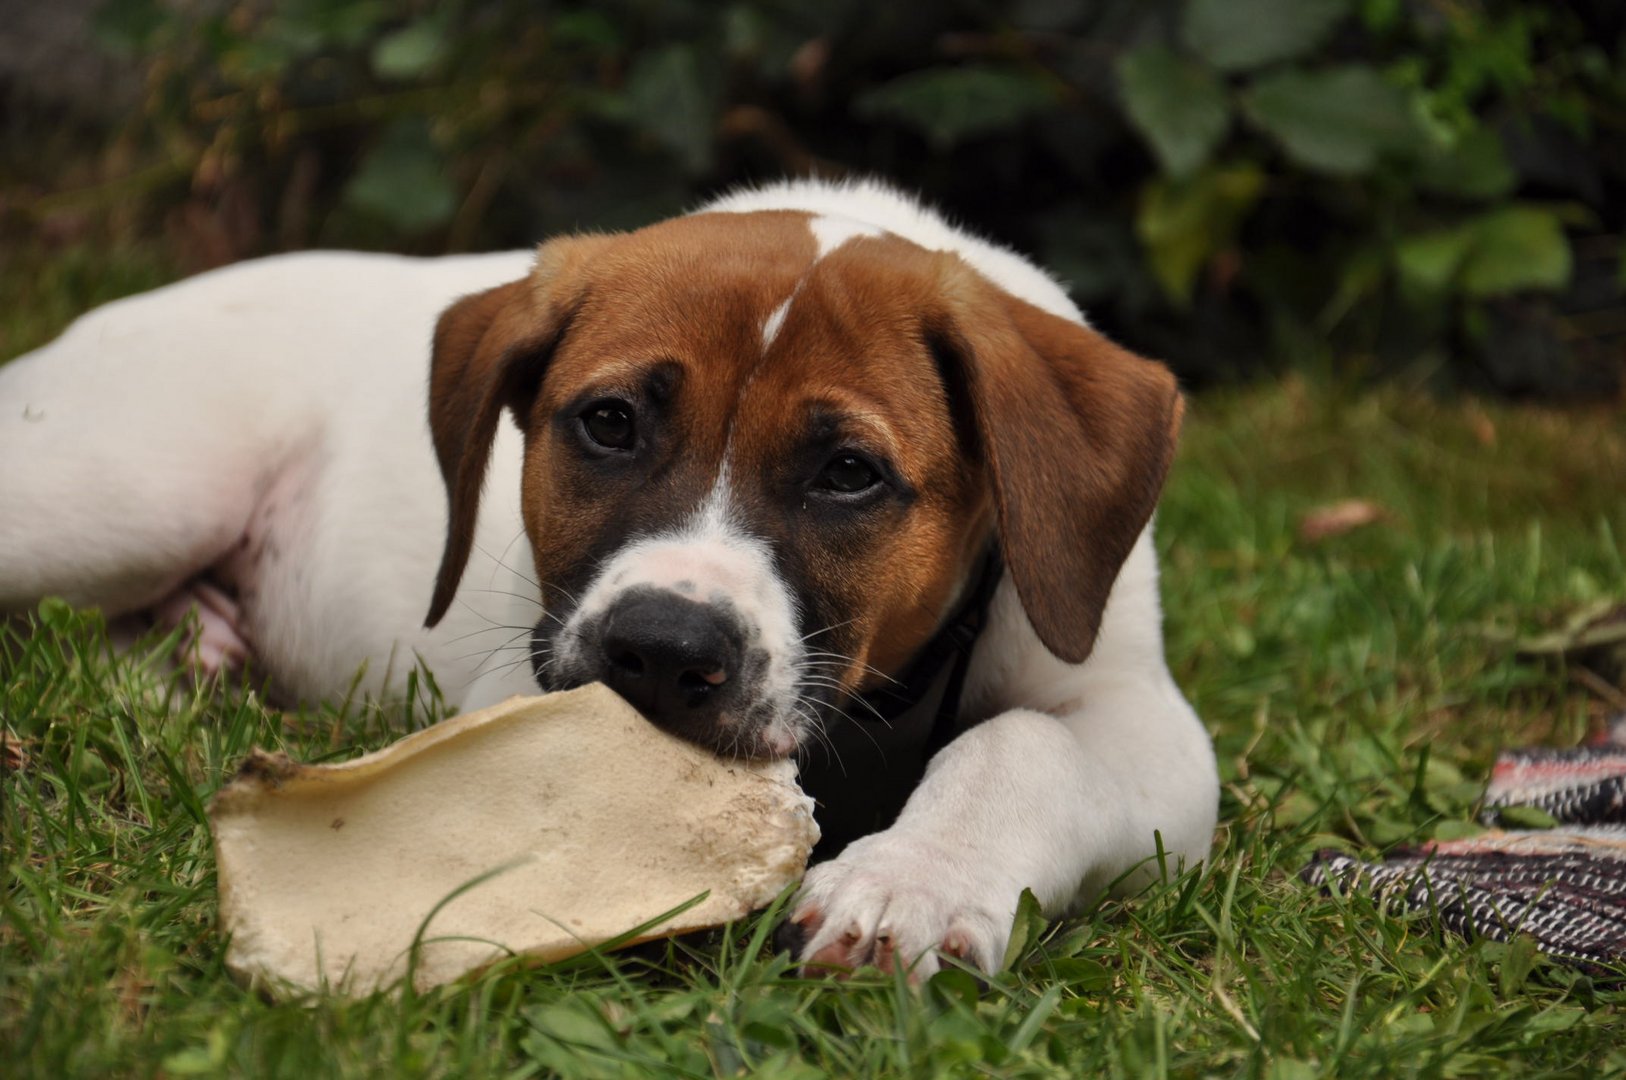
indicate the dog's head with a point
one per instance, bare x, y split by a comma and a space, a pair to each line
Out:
764, 452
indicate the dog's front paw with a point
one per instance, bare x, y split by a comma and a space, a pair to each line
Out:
890, 901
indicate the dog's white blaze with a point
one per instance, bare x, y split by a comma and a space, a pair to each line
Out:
710, 558
831, 232
775, 320
713, 525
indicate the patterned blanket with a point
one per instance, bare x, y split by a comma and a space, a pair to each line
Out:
1565, 886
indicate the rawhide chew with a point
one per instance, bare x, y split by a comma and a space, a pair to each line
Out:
595, 821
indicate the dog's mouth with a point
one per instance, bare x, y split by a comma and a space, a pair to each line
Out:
695, 670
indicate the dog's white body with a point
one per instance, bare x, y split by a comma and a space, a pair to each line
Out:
268, 419
273, 413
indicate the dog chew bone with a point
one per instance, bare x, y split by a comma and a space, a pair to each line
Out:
594, 821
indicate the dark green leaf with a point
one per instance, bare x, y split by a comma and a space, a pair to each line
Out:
1517, 247
56, 613
954, 104
574, 1023
1026, 927
1339, 120
1518, 960
1525, 817
1428, 262
1183, 223
410, 51
1505, 250
1235, 35
1386, 829
1456, 830
403, 181
1554, 1019
1177, 104
1081, 974
955, 985
1473, 167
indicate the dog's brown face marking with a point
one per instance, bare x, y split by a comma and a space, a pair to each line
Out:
850, 370
668, 325
679, 327
806, 426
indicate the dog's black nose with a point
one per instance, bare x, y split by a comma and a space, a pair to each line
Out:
673, 659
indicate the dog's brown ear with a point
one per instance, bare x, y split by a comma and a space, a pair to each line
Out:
490, 352
1078, 435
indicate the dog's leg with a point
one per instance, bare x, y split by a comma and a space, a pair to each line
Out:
1021, 801
1067, 802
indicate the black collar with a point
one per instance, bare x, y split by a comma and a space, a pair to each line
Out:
874, 749
926, 696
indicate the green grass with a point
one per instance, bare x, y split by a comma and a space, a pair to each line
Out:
1354, 703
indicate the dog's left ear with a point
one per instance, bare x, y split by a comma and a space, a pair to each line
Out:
1078, 435
490, 352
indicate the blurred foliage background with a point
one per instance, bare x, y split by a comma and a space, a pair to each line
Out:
1238, 186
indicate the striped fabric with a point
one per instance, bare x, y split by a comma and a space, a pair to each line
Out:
1564, 886
1585, 786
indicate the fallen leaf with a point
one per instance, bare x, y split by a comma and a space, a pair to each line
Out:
1482, 426
1336, 519
13, 754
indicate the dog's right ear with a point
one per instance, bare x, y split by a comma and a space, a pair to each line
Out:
490, 352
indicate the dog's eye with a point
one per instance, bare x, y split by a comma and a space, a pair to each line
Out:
848, 473
609, 423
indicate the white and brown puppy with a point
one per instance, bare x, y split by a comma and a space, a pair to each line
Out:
806, 472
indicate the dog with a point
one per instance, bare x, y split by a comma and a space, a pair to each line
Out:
806, 472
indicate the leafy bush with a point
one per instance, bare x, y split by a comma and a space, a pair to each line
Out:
1232, 184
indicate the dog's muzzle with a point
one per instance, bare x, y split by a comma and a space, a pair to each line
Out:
689, 666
